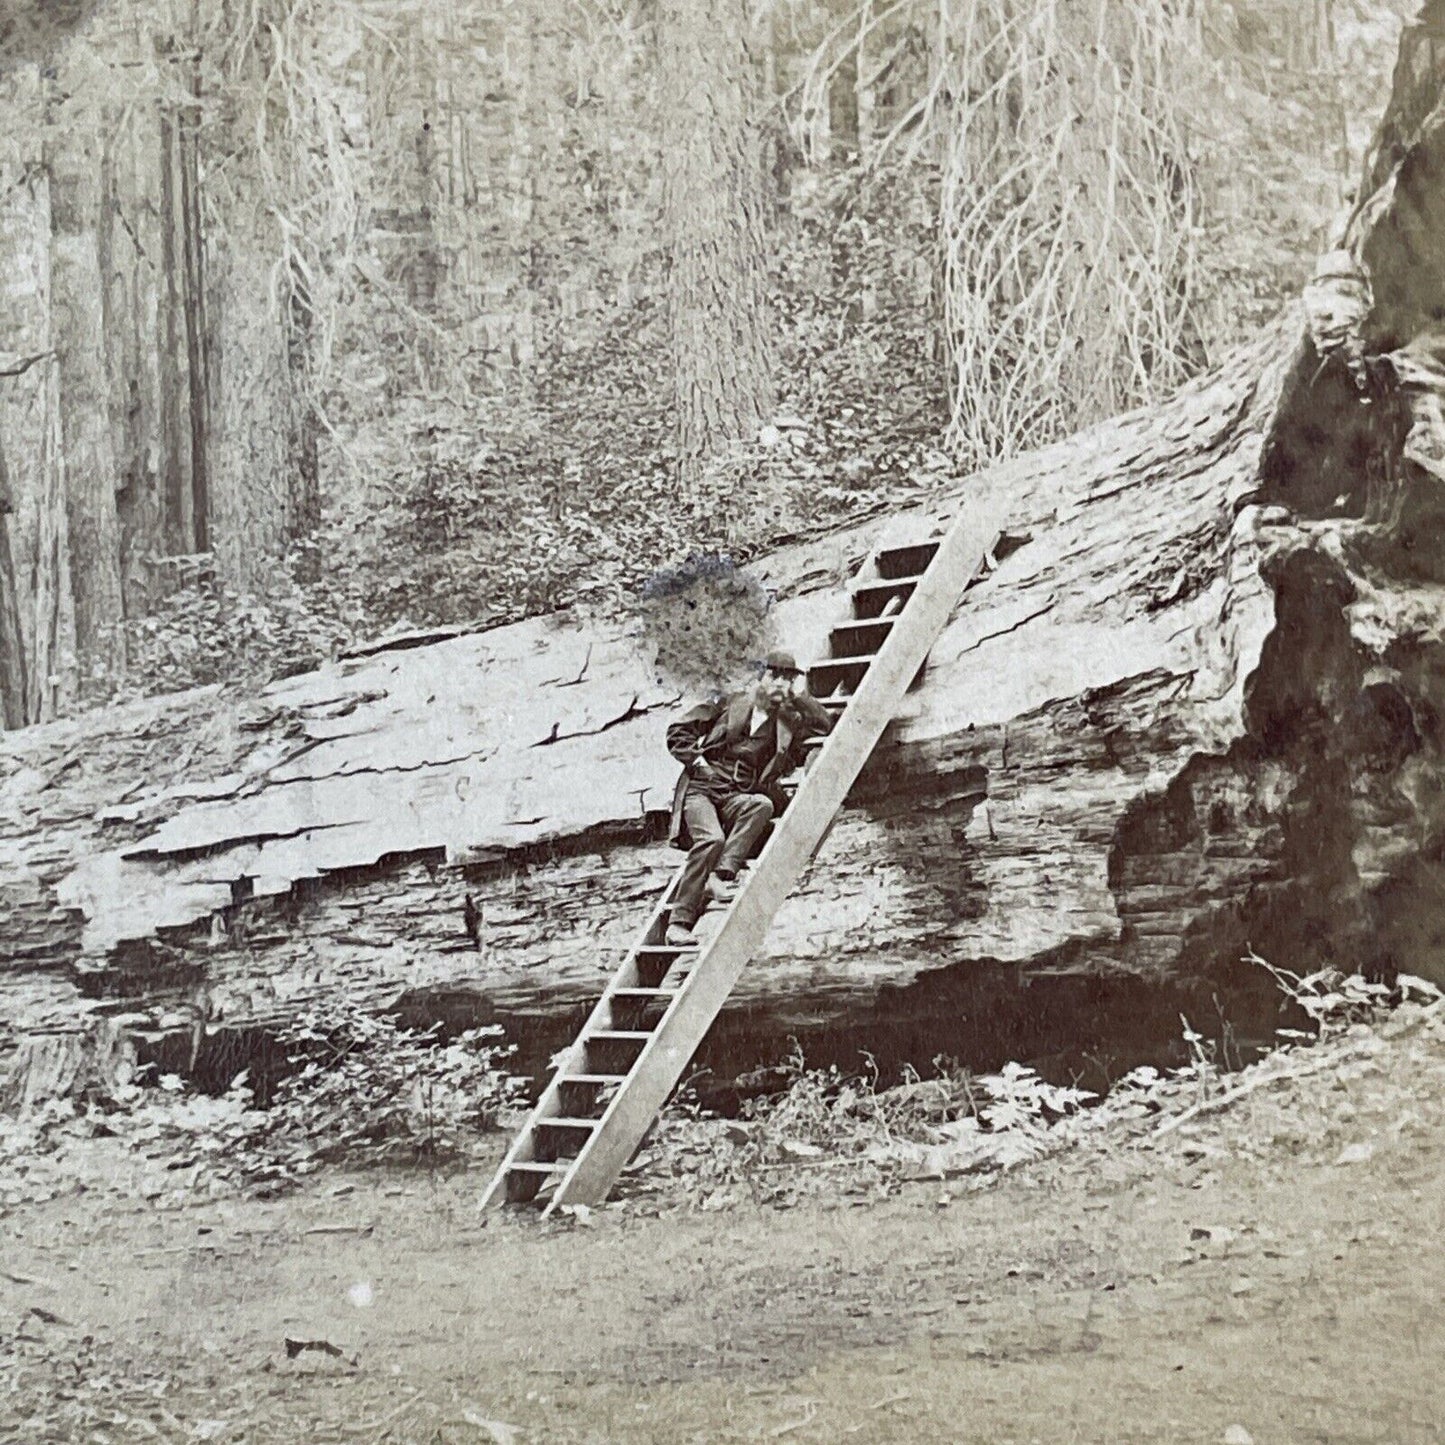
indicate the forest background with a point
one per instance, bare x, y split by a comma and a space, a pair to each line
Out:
321, 319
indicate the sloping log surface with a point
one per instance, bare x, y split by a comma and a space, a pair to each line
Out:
1106, 652
1195, 709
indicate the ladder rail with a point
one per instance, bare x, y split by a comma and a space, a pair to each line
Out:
618, 1103
548, 1103
961, 557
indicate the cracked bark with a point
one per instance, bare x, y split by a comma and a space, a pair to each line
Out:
631, 711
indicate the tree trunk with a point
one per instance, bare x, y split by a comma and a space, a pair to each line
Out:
865, 98
249, 456
137, 351
53, 670
1194, 710
713, 210
89, 459
182, 401
202, 386
12, 639
30, 423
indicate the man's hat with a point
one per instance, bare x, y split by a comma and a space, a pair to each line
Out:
780, 661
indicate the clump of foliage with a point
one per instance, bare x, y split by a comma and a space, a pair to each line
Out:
843, 1131
358, 1089
203, 630
364, 1090
1332, 1000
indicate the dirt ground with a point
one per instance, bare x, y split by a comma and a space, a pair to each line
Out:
1271, 1272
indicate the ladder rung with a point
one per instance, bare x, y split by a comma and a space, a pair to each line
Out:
906, 561
846, 672
882, 599
864, 624
650, 950
565, 1122
598, 1080
534, 1166
617, 1036
643, 993
885, 584
838, 670
867, 633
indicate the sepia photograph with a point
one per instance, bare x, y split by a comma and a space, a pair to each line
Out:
722, 721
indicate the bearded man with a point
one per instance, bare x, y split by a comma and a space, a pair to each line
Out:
734, 753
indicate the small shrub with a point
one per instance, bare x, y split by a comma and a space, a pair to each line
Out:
205, 631
828, 1130
1331, 1000
361, 1091
365, 1090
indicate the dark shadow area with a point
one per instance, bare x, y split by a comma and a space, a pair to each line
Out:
1331, 443
1073, 1029
212, 1061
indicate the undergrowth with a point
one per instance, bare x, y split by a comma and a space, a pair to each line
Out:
361, 1090
358, 1090
827, 1132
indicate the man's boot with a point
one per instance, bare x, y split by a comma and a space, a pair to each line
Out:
722, 890
679, 935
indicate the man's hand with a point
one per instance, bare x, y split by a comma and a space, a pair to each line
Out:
796, 691
704, 769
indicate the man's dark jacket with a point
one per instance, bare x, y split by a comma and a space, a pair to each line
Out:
706, 731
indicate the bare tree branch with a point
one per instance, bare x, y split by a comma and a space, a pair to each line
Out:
12, 365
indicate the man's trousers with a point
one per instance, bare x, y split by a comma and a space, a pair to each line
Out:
724, 831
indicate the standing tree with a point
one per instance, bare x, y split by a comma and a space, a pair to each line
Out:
713, 206
257, 171
12, 641
89, 458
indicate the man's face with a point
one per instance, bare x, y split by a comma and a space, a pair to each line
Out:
772, 689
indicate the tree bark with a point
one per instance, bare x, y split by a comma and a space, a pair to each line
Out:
181, 403
12, 640
88, 455
713, 219
251, 479
197, 324
30, 423
137, 352
255, 480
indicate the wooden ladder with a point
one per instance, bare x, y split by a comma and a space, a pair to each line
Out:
642, 1034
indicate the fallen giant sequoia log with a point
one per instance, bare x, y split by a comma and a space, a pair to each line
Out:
1195, 709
